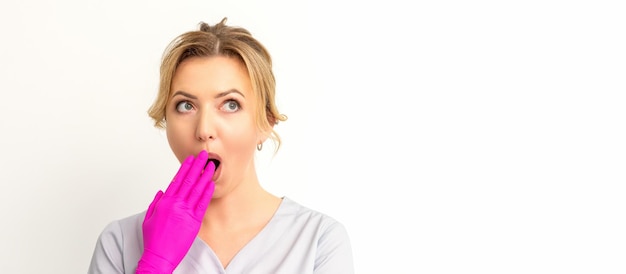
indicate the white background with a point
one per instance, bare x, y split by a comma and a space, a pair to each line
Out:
448, 136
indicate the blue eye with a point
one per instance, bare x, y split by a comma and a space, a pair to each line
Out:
184, 106
231, 106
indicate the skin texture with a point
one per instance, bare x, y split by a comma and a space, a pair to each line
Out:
212, 121
212, 108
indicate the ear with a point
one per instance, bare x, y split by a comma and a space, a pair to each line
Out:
262, 135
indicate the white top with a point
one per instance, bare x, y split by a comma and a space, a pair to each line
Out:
297, 240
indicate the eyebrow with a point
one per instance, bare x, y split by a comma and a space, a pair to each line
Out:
180, 92
221, 94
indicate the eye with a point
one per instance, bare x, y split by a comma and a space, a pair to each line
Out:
231, 106
184, 106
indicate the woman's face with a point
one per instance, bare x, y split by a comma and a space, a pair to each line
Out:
212, 108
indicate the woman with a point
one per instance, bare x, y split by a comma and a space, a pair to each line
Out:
216, 103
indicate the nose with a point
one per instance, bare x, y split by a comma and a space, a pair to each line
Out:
205, 127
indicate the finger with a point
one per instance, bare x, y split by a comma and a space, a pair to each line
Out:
156, 200
197, 192
192, 176
205, 199
180, 175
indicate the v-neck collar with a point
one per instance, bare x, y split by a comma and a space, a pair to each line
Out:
204, 256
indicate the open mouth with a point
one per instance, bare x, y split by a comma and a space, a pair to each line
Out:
216, 162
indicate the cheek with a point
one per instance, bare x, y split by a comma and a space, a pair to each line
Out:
240, 135
178, 138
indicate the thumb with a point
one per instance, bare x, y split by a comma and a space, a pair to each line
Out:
150, 210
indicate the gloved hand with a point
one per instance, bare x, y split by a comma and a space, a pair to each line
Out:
173, 218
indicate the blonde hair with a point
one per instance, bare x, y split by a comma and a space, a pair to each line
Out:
229, 41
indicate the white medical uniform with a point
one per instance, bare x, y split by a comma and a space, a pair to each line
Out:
297, 240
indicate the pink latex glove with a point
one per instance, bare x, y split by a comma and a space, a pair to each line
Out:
173, 218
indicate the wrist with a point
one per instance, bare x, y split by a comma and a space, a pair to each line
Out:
151, 263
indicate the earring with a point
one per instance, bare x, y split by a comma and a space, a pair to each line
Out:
259, 146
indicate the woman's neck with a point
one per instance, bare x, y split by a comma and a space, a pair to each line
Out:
246, 206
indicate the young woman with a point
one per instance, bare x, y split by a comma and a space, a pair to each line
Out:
216, 104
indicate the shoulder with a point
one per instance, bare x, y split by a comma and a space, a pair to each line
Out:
300, 212
321, 224
123, 226
332, 243
122, 233
118, 244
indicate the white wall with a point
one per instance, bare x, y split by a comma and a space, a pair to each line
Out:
448, 136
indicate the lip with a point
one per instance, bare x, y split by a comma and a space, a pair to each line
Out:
217, 173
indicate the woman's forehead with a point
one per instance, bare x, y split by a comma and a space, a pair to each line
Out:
214, 74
